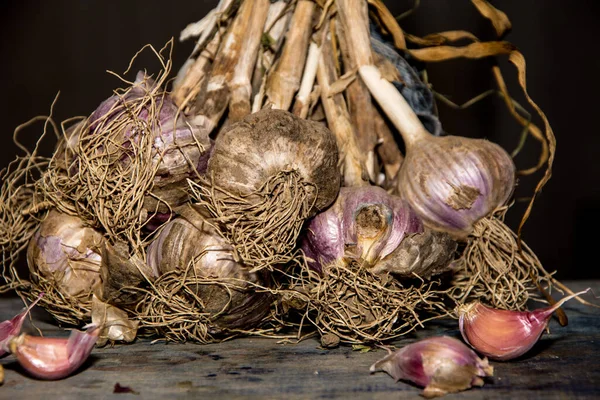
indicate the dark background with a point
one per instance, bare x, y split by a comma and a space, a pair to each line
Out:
67, 46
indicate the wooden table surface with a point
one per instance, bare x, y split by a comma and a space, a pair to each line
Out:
563, 365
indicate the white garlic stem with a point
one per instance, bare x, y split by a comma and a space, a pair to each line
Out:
393, 104
353, 15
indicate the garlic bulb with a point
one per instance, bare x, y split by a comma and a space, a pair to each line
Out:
439, 364
181, 148
452, 182
64, 251
368, 224
504, 334
364, 223
263, 144
190, 241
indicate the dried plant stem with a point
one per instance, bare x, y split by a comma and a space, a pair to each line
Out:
241, 86
206, 26
338, 118
302, 102
352, 13
275, 28
211, 105
360, 108
191, 84
390, 23
498, 18
354, 17
284, 80
388, 150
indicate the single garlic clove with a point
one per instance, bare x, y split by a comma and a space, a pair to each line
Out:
12, 327
114, 323
452, 182
504, 334
54, 358
439, 364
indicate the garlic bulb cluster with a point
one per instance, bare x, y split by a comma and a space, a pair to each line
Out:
368, 224
452, 182
65, 251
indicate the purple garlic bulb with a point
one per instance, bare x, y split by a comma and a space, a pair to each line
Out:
181, 149
452, 182
64, 252
368, 224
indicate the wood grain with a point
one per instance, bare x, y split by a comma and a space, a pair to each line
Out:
563, 364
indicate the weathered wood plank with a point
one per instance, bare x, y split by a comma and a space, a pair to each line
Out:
564, 364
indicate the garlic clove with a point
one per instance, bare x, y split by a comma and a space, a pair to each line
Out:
504, 334
53, 358
440, 364
12, 327
114, 323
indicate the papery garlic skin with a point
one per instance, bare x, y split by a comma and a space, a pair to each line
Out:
64, 251
53, 358
370, 225
364, 222
182, 149
193, 242
114, 324
504, 334
452, 182
439, 364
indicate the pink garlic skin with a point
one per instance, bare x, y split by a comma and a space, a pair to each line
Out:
440, 364
337, 231
54, 358
12, 327
504, 334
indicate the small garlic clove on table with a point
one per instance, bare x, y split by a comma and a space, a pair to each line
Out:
440, 364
